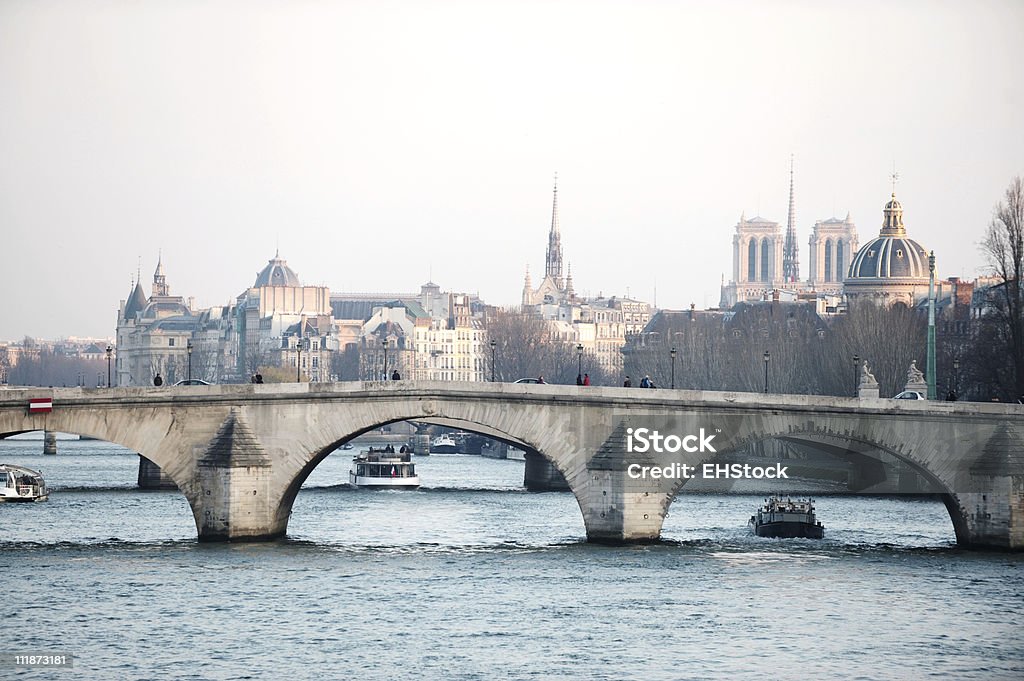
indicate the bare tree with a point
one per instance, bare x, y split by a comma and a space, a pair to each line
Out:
887, 338
1003, 246
525, 346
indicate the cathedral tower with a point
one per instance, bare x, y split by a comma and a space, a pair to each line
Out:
553, 267
791, 249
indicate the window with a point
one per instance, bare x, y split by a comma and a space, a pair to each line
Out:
766, 273
170, 342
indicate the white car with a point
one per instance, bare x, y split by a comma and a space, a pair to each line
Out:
194, 381
910, 395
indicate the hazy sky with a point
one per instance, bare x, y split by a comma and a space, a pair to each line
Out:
378, 142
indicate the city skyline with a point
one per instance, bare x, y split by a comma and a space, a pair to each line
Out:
379, 146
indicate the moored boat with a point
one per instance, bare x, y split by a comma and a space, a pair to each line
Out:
18, 483
787, 518
384, 468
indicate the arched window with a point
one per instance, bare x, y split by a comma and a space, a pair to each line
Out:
752, 260
766, 253
840, 260
828, 259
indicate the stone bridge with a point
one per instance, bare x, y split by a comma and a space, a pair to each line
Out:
240, 453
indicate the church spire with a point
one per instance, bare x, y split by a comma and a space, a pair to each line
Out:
553, 267
791, 249
160, 287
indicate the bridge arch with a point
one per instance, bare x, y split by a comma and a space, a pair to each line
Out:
335, 438
843, 446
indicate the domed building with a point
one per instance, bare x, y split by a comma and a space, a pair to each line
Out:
891, 268
274, 315
277, 273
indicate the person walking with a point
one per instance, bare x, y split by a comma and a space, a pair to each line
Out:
627, 383
158, 380
395, 376
586, 379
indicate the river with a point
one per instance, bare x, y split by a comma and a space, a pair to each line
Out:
471, 577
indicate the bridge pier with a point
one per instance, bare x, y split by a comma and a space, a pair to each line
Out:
993, 519
540, 475
49, 442
620, 510
152, 477
234, 501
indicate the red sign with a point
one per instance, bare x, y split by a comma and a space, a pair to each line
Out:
40, 405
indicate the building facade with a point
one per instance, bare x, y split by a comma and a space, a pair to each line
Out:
766, 264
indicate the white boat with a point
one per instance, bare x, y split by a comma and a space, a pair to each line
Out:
18, 483
445, 444
384, 468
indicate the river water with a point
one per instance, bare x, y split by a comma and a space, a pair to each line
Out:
473, 578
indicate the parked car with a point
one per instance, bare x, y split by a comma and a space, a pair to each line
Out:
192, 381
910, 395
529, 380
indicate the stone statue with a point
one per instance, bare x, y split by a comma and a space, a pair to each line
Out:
914, 374
915, 379
868, 386
867, 379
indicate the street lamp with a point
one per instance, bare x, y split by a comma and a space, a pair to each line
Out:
579, 359
494, 344
767, 358
110, 353
384, 341
188, 348
856, 373
956, 376
672, 353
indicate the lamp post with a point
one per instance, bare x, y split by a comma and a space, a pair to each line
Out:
672, 353
956, 376
384, 341
856, 373
494, 344
579, 359
110, 353
188, 348
767, 358
298, 358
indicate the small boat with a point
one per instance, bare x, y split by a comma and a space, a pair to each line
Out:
445, 444
787, 518
384, 468
18, 483
347, 445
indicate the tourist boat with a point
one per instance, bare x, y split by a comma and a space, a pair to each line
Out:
21, 484
444, 444
384, 468
787, 518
